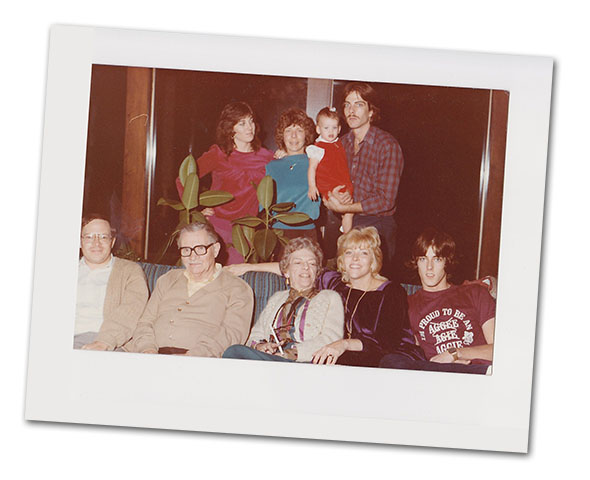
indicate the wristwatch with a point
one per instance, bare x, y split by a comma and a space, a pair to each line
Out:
454, 353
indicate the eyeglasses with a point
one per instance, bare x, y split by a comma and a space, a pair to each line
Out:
101, 237
198, 249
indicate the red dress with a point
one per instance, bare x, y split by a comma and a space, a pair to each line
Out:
333, 168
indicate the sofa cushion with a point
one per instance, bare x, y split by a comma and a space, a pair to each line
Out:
153, 271
263, 284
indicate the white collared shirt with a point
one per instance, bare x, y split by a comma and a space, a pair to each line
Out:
92, 290
322, 139
313, 151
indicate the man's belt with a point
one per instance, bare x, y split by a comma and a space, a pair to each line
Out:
172, 351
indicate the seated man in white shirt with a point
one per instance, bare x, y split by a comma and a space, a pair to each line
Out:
112, 292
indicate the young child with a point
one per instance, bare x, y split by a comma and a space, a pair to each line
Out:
328, 167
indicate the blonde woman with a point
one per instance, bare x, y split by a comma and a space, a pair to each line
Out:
376, 316
375, 309
296, 322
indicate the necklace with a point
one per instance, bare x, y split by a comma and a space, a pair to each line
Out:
349, 323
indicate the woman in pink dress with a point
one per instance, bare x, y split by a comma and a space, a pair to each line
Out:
237, 164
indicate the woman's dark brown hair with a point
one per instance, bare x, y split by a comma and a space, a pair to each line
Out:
231, 114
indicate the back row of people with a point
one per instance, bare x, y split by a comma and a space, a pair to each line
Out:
354, 316
358, 174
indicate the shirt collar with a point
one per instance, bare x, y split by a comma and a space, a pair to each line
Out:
370, 136
84, 263
216, 273
322, 139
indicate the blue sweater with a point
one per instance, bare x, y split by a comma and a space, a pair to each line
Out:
290, 175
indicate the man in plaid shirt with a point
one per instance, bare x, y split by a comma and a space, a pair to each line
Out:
375, 162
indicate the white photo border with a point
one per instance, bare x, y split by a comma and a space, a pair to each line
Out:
263, 398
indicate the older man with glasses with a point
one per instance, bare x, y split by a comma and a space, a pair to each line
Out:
199, 310
112, 292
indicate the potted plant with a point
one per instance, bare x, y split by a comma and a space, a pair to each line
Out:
191, 200
254, 237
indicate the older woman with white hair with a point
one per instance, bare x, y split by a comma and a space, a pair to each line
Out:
299, 321
376, 317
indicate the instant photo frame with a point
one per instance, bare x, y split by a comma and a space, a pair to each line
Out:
483, 412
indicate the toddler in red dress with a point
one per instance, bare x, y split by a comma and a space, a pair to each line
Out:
328, 167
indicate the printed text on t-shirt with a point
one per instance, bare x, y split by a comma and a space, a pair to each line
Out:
444, 327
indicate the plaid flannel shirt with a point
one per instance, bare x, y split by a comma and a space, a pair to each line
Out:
375, 170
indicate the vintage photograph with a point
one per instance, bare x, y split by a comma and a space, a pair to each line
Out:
353, 244
291, 219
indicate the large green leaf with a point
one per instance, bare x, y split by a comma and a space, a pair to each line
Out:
190, 196
249, 234
183, 219
280, 233
187, 167
292, 218
253, 257
197, 216
213, 198
283, 240
248, 221
282, 207
264, 242
265, 192
239, 241
171, 203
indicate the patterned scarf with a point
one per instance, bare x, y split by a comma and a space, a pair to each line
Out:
288, 312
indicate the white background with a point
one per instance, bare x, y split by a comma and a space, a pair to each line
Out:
559, 407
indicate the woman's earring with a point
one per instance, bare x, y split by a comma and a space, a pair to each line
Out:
287, 281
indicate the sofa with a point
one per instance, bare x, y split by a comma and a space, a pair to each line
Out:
263, 284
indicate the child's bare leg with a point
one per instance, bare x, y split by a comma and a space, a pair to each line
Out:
347, 222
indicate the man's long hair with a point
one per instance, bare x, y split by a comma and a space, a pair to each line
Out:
368, 94
442, 244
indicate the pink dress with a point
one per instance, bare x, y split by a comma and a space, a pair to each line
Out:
239, 174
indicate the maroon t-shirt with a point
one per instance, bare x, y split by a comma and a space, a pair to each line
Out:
450, 318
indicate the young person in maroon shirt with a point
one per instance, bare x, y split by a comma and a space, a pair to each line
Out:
454, 324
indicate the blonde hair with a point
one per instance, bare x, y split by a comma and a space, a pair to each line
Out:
368, 238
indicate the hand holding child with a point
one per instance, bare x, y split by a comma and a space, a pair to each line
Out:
280, 153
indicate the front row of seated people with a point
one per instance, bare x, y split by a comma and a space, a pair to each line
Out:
351, 317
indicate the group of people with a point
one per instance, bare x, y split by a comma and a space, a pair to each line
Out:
355, 177
352, 316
